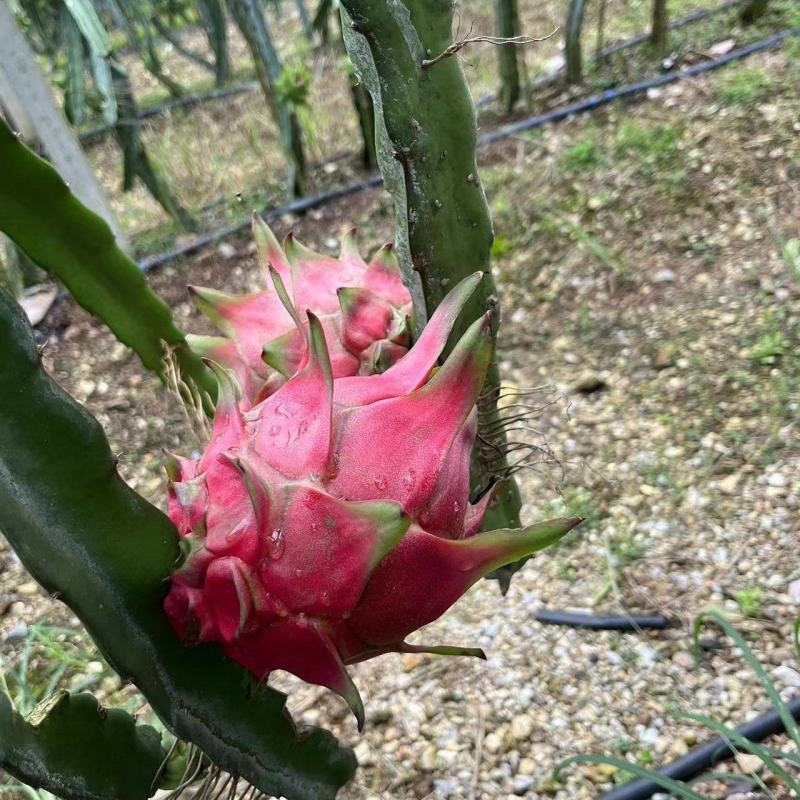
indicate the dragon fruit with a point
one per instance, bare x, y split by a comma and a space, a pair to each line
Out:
329, 521
363, 309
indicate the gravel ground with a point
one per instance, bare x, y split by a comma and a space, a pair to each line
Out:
646, 291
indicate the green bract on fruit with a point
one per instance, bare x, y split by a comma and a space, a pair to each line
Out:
327, 522
362, 308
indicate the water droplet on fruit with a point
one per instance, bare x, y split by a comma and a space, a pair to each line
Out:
409, 478
298, 572
380, 483
456, 507
276, 544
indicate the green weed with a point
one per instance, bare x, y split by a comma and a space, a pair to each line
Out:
749, 602
50, 656
782, 764
501, 246
790, 252
610, 260
789, 249
575, 501
625, 549
582, 156
769, 347
653, 145
579, 502
624, 745
744, 86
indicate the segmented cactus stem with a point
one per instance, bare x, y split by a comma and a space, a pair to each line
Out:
427, 135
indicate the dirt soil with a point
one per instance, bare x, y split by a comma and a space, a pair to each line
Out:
639, 257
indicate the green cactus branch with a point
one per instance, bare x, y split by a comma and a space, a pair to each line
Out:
137, 162
249, 17
426, 149
430, 123
212, 12
83, 534
40, 214
71, 746
507, 22
572, 41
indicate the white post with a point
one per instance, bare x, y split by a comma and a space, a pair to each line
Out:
27, 99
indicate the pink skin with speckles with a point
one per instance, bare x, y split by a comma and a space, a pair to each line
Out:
329, 521
363, 309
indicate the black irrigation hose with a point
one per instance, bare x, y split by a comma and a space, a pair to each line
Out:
594, 622
631, 89
641, 38
702, 758
634, 41
295, 207
555, 115
189, 101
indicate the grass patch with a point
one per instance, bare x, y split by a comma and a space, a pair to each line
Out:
50, 656
597, 249
744, 86
749, 602
655, 145
782, 765
769, 347
576, 501
501, 246
583, 156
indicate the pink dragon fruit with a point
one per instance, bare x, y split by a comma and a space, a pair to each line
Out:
363, 309
332, 519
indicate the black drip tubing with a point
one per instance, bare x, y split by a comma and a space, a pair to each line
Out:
594, 622
536, 121
702, 758
189, 101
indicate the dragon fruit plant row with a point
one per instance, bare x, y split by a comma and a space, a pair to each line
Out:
329, 516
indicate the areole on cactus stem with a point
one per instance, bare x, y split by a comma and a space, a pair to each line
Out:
329, 520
